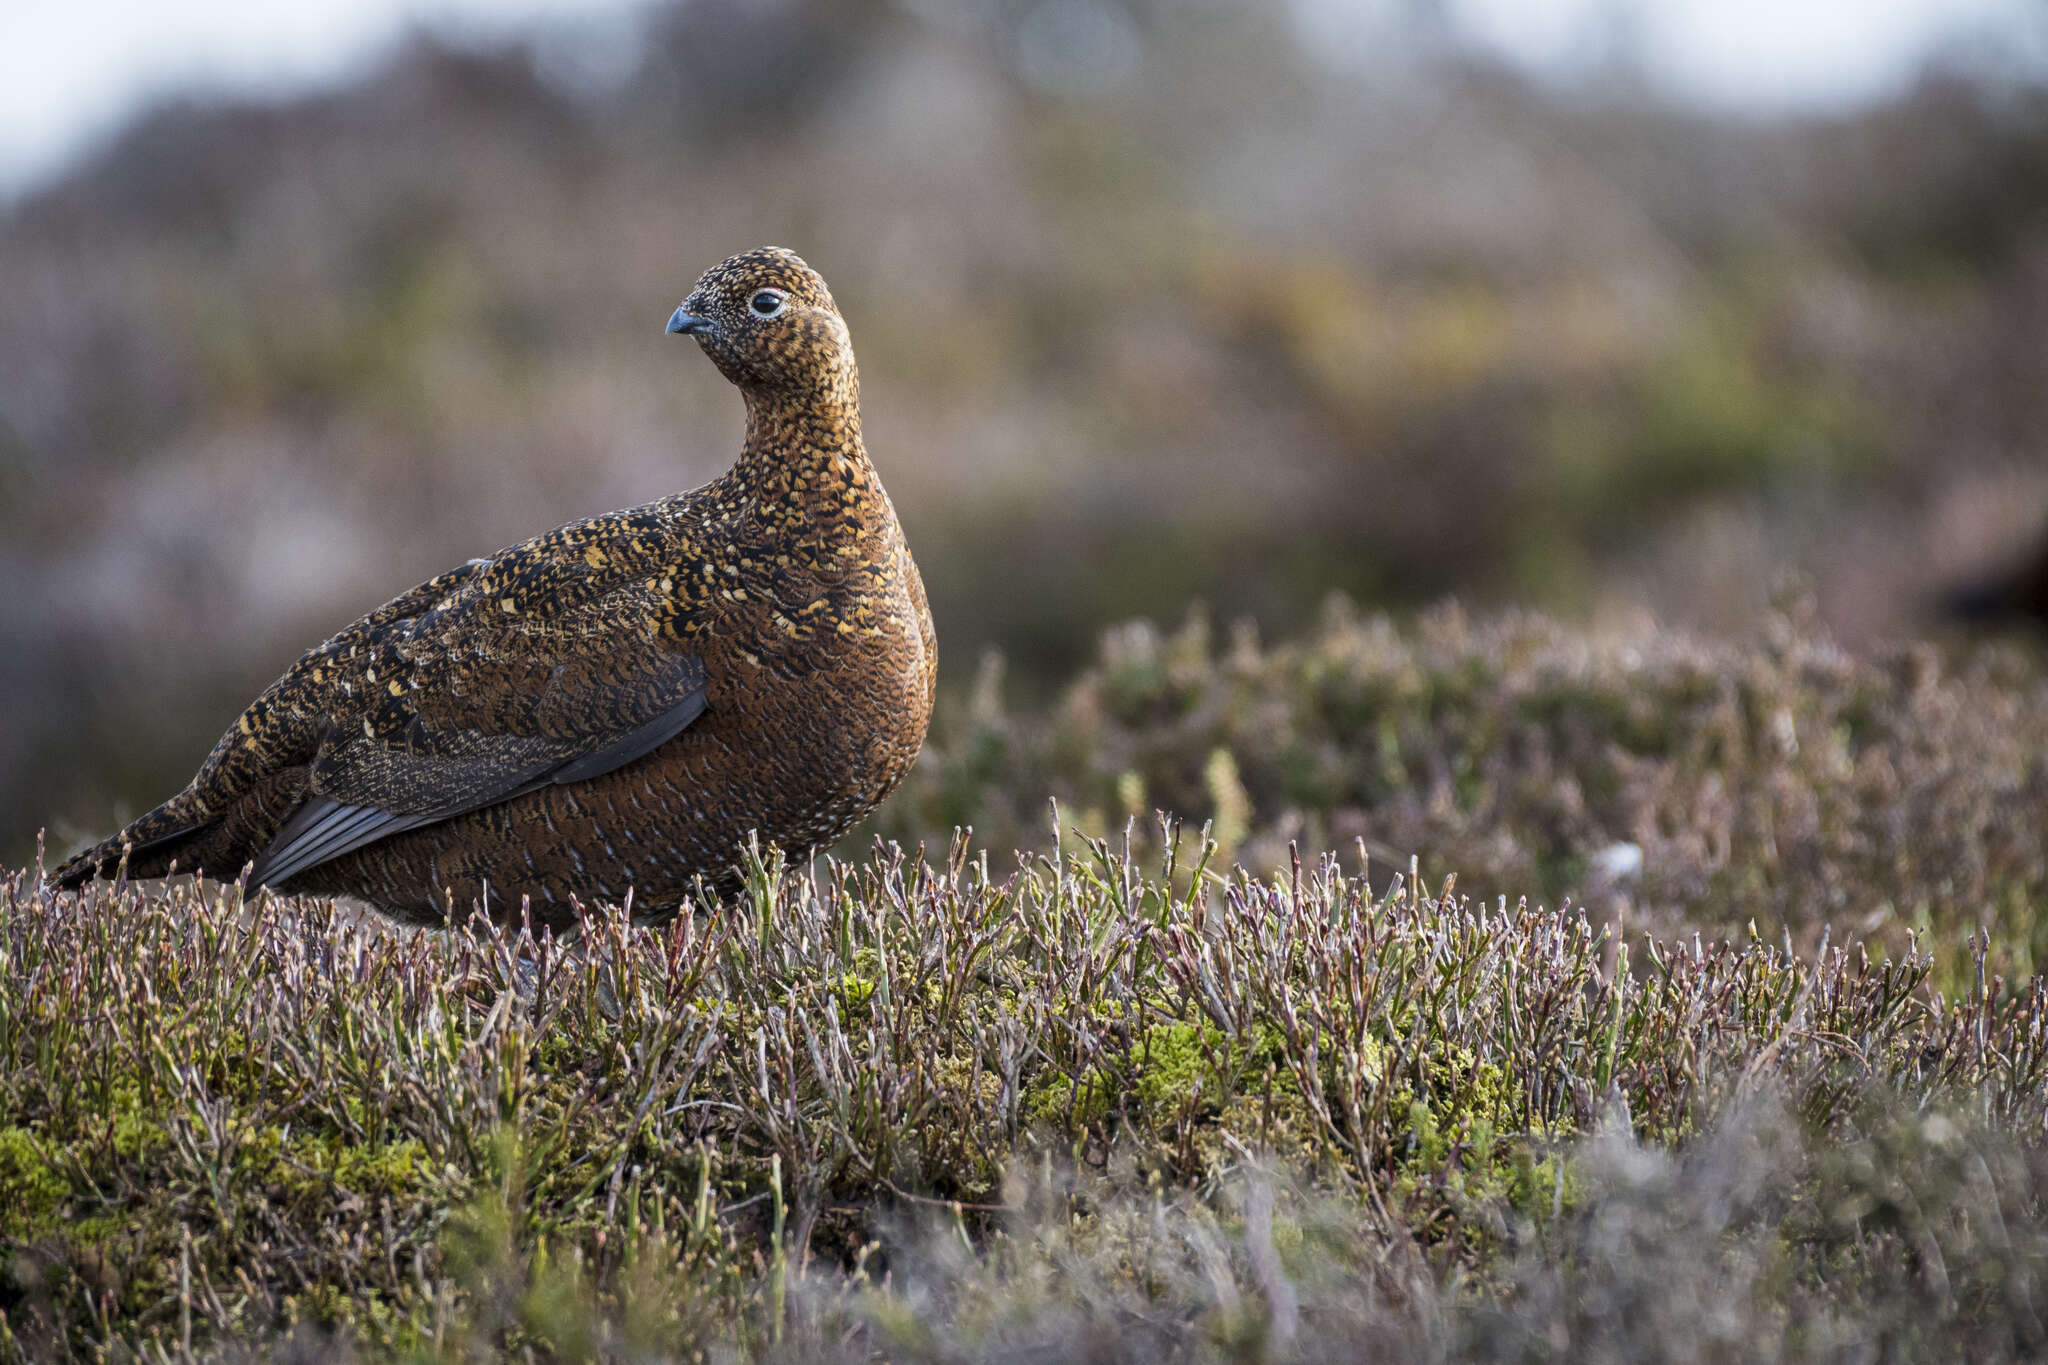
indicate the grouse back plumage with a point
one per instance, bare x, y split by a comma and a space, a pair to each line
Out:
616, 704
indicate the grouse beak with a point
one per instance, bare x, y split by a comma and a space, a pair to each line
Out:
688, 323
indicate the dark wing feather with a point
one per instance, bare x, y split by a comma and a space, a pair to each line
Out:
467, 708
322, 830
635, 743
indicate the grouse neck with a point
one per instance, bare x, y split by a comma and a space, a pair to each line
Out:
804, 449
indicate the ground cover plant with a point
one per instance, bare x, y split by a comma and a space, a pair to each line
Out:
1784, 781
1117, 1097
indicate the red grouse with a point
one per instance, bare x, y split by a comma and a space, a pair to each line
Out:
614, 705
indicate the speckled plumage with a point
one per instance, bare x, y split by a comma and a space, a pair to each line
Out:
614, 704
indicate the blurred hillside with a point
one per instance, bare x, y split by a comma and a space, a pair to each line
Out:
1151, 303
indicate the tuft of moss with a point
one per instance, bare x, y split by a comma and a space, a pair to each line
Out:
30, 1191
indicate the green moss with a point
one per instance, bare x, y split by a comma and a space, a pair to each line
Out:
30, 1191
855, 991
1175, 1071
137, 1131
1175, 1066
1054, 1098
1540, 1185
325, 1162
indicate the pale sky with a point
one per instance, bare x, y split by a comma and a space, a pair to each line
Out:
1764, 55
70, 72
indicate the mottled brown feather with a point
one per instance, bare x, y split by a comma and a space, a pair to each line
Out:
780, 598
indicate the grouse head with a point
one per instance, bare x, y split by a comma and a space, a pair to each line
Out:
768, 322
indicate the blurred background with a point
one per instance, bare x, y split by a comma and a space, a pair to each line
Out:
1608, 307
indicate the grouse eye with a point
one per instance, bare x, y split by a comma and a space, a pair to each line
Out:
767, 303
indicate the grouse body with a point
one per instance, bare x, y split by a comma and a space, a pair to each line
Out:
611, 706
